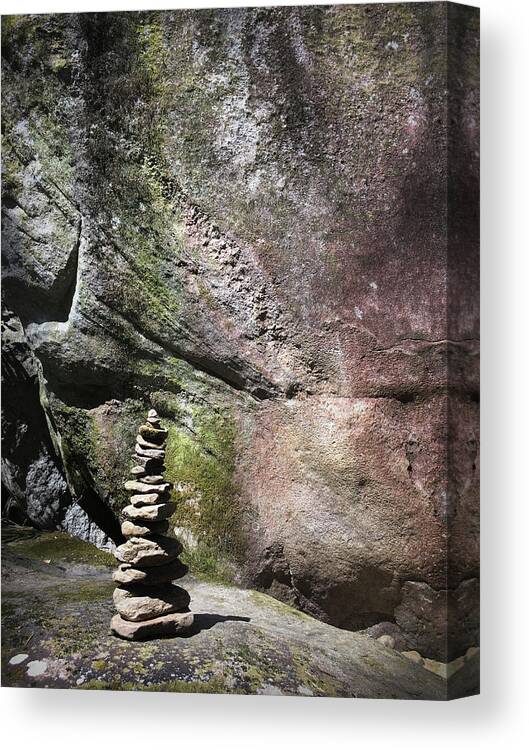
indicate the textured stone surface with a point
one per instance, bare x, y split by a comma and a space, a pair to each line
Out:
135, 605
149, 499
136, 529
133, 486
149, 512
34, 486
127, 574
166, 625
242, 642
155, 550
296, 327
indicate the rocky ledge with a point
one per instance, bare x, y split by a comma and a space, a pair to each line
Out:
57, 605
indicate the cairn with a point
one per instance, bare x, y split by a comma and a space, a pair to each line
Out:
147, 601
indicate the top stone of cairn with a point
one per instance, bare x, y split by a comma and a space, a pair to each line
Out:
153, 419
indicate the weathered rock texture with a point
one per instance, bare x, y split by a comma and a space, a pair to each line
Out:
268, 219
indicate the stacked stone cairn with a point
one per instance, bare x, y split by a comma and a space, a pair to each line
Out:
147, 601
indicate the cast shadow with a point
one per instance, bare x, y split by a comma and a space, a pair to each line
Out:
206, 621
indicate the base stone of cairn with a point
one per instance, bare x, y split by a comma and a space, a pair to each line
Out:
148, 603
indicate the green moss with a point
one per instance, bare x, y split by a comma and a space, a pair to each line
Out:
209, 564
263, 600
319, 683
96, 447
58, 546
92, 591
200, 461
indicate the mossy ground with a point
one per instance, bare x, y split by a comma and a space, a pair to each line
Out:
58, 613
56, 547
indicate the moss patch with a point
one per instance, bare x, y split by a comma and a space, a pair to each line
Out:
57, 547
97, 445
263, 600
200, 461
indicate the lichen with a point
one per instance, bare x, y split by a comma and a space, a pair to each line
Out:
214, 685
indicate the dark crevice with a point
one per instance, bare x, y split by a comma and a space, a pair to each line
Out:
96, 509
70, 273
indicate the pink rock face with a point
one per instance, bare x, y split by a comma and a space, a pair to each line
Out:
301, 252
351, 503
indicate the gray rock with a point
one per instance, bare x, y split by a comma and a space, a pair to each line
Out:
139, 487
152, 434
34, 485
133, 605
152, 498
155, 550
172, 624
149, 453
17, 659
135, 529
151, 465
149, 512
146, 445
154, 479
154, 576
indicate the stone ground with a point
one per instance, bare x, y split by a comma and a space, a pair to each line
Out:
57, 607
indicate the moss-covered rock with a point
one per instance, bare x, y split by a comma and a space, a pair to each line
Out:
239, 216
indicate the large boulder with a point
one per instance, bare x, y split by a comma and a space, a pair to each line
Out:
241, 217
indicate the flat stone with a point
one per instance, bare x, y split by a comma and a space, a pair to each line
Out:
138, 471
151, 498
128, 528
154, 479
151, 465
152, 413
155, 422
152, 434
139, 487
136, 605
172, 624
148, 551
146, 444
149, 512
36, 668
149, 453
127, 574
19, 658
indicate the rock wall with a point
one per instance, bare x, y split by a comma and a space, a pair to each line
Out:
241, 218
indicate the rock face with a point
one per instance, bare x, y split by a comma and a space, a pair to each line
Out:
148, 603
245, 215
